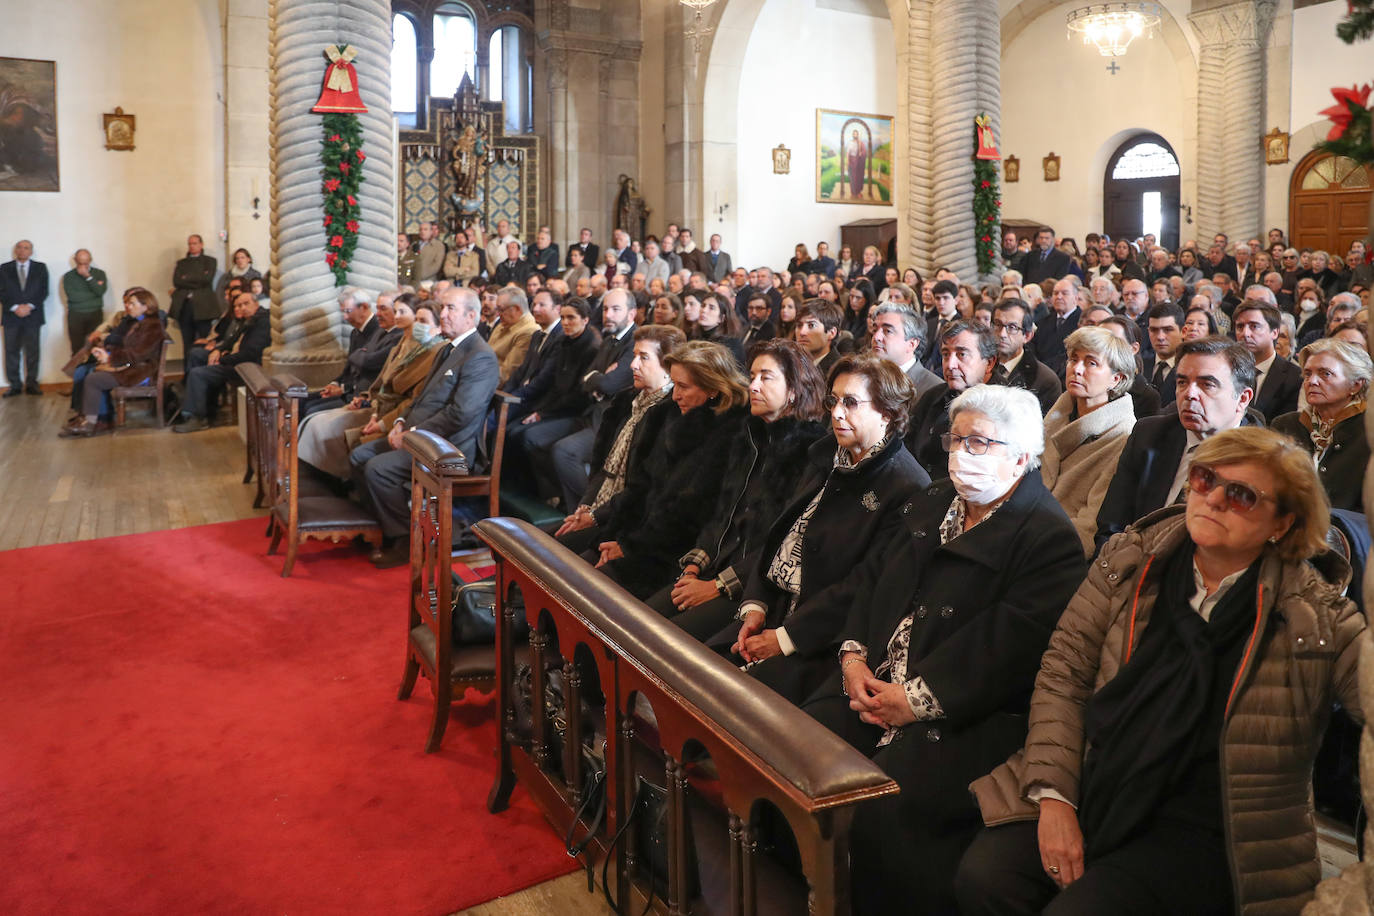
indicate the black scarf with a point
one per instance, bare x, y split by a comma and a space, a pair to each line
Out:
1146, 727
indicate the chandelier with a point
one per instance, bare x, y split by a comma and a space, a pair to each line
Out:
1113, 26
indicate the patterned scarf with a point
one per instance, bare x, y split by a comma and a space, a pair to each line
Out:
1322, 431
619, 456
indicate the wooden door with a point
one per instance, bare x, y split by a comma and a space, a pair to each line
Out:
1328, 206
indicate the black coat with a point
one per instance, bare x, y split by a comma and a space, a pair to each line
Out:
34, 292
646, 433
1034, 269
565, 397
763, 466
860, 509
1035, 377
193, 281
1343, 466
535, 374
930, 421
1050, 334
1278, 389
591, 255
984, 607
670, 492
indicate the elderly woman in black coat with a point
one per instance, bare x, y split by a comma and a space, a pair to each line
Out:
949, 616
763, 466
674, 478
858, 478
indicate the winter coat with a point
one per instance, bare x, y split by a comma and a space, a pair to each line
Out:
1305, 660
1080, 458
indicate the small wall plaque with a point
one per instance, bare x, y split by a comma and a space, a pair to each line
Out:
1275, 147
782, 160
1051, 163
119, 130
1011, 168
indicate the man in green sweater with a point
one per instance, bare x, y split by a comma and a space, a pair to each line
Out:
84, 287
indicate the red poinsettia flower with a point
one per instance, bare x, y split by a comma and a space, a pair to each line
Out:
344, 167
352, 201
361, 157
987, 184
331, 185
985, 238
327, 220
1347, 100
351, 225
334, 138
330, 258
336, 241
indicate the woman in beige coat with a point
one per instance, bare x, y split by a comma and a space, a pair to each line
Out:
1086, 429
1179, 707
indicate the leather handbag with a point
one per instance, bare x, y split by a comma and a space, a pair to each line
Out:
474, 613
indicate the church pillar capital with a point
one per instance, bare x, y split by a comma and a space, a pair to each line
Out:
1225, 24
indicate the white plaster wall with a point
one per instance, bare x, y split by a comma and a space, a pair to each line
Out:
1057, 96
1321, 61
798, 59
162, 62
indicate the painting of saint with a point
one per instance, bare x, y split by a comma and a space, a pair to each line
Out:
28, 125
853, 158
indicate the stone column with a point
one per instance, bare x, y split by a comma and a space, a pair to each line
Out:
307, 330
1231, 108
964, 53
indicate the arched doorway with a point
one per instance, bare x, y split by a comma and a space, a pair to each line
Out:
1140, 192
1328, 203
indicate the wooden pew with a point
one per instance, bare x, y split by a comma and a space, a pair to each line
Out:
260, 452
760, 747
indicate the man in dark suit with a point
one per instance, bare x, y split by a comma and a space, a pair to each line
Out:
1165, 323
1256, 325
193, 302
899, 336
945, 296
512, 269
1044, 260
543, 255
1216, 382
1016, 366
533, 377
759, 310
366, 354
452, 404
591, 252
244, 342
1048, 343
1218, 261
23, 290
717, 262
968, 353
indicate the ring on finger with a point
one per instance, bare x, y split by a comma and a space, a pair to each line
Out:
1054, 869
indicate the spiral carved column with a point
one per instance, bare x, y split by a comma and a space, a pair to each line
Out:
306, 325
920, 171
1241, 150
1211, 73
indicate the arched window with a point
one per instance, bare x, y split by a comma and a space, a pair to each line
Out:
404, 92
510, 76
494, 65
455, 49
1140, 194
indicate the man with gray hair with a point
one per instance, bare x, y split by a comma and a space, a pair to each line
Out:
452, 404
363, 361
1104, 292
899, 336
510, 339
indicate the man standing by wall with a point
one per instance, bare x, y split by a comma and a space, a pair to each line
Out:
84, 286
23, 290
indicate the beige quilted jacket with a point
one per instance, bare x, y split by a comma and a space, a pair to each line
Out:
1278, 708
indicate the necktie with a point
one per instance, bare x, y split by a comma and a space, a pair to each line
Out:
23, 273
1161, 373
1182, 494
999, 375
1044, 255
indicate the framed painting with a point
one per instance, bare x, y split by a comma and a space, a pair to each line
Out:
853, 158
28, 125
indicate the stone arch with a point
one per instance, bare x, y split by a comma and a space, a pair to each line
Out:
719, 68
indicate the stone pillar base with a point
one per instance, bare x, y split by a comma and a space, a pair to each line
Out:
316, 368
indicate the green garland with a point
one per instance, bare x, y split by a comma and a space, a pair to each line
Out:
342, 155
1358, 23
987, 204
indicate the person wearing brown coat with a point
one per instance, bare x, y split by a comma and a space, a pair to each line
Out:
133, 361
1178, 710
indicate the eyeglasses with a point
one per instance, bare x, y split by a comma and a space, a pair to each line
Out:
974, 445
1009, 326
848, 402
1240, 497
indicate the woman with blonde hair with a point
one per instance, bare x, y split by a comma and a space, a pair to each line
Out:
1087, 427
1178, 709
1335, 386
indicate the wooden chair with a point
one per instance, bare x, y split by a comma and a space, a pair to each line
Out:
438, 470
488, 484
125, 393
260, 451
298, 517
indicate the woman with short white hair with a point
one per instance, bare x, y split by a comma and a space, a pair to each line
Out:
1335, 386
942, 642
1086, 429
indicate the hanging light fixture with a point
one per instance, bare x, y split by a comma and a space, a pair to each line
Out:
1113, 26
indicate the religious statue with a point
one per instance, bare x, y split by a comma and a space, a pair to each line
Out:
467, 157
857, 155
630, 212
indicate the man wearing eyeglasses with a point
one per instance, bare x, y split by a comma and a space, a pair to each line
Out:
1214, 386
968, 353
1016, 366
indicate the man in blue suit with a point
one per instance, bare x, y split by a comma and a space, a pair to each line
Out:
23, 290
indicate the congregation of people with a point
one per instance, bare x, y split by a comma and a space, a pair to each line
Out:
1053, 552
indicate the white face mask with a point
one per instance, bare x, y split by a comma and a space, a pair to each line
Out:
422, 332
1309, 306
975, 477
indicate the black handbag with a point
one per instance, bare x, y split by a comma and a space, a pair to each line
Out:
474, 613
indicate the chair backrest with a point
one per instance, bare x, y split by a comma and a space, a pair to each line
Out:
435, 466
290, 392
162, 364
261, 400
489, 484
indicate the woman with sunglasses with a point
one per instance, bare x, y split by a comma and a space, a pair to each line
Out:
851, 494
949, 617
1335, 383
1179, 707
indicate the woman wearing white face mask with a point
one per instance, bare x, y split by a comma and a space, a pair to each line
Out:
942, 643
1311, 315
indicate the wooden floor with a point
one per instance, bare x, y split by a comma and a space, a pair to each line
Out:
149, 479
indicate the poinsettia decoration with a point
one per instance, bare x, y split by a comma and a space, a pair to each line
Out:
343, 157
1350, 125
987, 198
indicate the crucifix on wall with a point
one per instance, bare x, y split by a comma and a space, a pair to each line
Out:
1113, 68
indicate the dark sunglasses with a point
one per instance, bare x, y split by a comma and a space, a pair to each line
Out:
1240, 497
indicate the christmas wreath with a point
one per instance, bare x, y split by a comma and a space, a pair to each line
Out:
342, 156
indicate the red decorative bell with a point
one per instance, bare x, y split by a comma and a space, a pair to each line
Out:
987, 143
340, 93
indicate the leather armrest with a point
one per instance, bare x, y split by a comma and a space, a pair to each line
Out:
435, 453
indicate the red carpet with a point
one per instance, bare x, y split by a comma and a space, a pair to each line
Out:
182, 731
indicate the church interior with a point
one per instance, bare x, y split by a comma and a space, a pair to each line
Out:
755, 126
